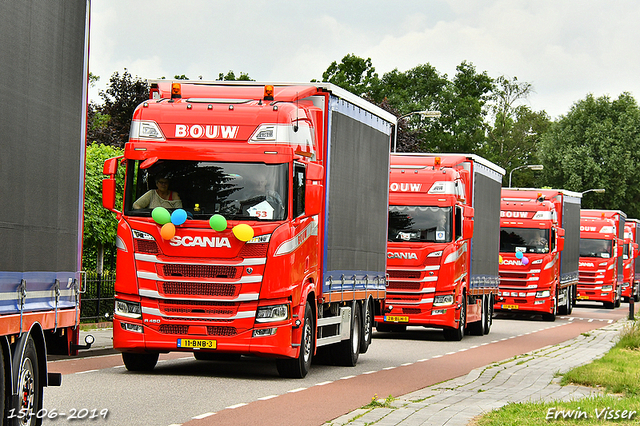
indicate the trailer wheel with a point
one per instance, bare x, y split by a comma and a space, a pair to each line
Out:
566, 308
28, 385
456, 334
618, 297
140, 362
3, 395
477, 328
367, 326
297, 368
487, 326
346, 352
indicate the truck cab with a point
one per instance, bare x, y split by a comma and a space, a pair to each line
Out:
601, 256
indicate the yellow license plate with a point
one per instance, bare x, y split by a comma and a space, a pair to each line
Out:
510, 306
583, 297
393, 318
197, 343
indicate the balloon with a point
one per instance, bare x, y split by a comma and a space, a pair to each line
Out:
218, 222
525, 261
167, 231
500, 259
519, 255
243, 232
161, 215
178, 217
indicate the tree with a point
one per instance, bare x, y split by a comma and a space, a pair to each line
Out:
99, 223
231, 76
353, 74
109, 123
597, 145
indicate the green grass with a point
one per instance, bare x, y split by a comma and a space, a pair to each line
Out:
617, 373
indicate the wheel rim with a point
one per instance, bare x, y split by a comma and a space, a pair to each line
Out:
463, 316
355, 338
307, 342
368, 323
26, 386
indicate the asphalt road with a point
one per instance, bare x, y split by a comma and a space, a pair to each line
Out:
182, 390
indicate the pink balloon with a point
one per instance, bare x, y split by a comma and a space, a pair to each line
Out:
525, 261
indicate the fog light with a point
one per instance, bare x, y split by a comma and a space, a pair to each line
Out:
131, 327
438, 312
264, 332
538, 302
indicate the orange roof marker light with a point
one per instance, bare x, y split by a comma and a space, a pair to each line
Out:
268, 92
176, 91
437, 162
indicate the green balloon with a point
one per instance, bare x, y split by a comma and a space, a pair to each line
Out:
161, 215
218, 222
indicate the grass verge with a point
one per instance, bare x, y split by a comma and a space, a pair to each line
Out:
617, 374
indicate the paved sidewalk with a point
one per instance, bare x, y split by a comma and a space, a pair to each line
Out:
528, 377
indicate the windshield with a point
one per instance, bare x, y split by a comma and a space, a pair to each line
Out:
236, 190
590, 247
423, 224
525, 240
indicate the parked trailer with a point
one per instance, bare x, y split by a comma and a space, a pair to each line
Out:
42, 121
630, 282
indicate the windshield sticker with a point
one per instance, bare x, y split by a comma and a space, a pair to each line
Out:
440, 235
261, 210
521, 249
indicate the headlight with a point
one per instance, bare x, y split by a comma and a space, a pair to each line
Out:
128, 309
443, 300
607, 288
543, 293
272, 313
435, 253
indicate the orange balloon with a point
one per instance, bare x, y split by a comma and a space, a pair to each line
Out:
167, 231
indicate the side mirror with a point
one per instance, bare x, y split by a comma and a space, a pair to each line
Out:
620, 245
467, 228
560, 243
635, 250
109, 184
315, 171
312, 200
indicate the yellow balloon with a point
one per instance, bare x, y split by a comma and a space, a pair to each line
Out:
500, 259
168, 230
243, 232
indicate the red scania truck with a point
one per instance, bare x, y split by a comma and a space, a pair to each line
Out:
601, 256
539, 241
43, 112
629, 255
442, 260
272, 242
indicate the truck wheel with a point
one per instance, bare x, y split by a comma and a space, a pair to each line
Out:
3, 395
346, 352
570, 302
139, 362
566, 308
28, 385
297, 368
477, 328
367, 326
618, 297
551, 316
636, 296
456, 334
487, 326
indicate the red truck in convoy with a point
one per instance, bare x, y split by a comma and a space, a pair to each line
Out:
630, 253
43, 112
601, 256
253, 223
442, 260
539, 240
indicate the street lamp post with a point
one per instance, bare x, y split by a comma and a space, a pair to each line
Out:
430, 114
528, 166
598, 190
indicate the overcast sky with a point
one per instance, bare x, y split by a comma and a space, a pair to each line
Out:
565, 49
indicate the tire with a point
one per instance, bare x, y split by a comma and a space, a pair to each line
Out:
487, 326
636, 296
3, 394
346, 352
215, 356
477, 328
570, 301
456, 334
140, 362
618, 297
297, 368
367, 326
566, 308
551, 316
28, 384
